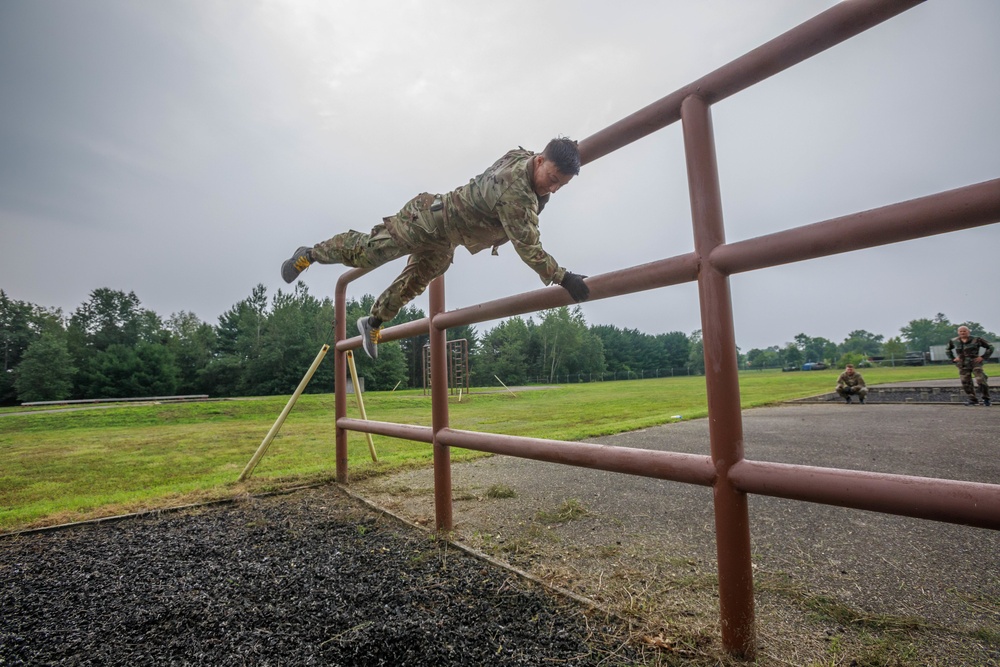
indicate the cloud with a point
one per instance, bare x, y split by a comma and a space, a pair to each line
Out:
181, 150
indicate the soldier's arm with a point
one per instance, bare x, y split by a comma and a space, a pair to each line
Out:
951, 350
989, 348
520, 223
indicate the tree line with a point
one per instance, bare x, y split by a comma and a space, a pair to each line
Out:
113, 347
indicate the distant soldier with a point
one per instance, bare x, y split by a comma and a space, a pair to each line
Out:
964, 350
851, 384
501, 204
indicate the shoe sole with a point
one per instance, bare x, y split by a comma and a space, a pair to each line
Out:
288, 271
370, 348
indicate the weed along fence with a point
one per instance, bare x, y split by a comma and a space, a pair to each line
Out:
711, 264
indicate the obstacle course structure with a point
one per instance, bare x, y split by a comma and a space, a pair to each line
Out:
711, 264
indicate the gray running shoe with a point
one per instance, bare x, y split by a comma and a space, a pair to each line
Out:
369, 336
296, 264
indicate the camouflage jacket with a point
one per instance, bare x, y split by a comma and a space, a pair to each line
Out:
968, 350
854, 380
498, 206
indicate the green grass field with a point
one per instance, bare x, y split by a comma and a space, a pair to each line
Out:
65, 466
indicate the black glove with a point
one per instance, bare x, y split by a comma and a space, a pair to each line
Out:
573, 283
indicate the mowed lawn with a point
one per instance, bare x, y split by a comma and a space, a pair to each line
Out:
60, 466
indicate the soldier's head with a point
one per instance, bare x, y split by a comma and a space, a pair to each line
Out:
556, 166
849, 368
964, 333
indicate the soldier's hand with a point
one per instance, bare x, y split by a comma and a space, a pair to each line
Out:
573, 283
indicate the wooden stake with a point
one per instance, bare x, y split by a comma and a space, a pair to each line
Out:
255, 459
361, 403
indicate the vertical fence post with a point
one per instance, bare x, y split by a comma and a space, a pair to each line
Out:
439, 408
340, 377
732, 520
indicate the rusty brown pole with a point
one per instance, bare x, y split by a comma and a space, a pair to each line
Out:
439, 408
391, 429
732, 518
671, 271
674, 466
340, 374
949, 211
969, 503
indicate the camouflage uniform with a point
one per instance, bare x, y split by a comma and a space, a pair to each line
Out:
498, 206
848, 385
966, 354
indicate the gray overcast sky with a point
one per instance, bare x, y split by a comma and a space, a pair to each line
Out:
182, 150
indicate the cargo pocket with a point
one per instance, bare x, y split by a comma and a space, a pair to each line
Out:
419, 224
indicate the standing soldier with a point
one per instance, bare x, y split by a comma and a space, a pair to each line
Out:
964, 350
501, 204
851, 383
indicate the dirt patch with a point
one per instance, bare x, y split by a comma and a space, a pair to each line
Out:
311, 578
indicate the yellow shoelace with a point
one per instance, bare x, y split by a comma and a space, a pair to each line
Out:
301, 263
376, 336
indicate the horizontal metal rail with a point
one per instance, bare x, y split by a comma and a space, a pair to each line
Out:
952, 501
673, 466
953, 210
390, 429
969, 503
661, 273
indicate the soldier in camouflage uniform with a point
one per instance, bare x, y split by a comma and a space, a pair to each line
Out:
500, 205
850, 383
964, 350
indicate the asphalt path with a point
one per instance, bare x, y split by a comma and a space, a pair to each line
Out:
882, 564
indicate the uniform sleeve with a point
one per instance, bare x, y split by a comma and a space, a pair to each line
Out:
989, 348
951, 349
520, 222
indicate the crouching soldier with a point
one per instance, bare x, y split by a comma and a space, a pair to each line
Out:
850, 383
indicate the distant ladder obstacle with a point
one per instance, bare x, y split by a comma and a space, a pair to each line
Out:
458, 366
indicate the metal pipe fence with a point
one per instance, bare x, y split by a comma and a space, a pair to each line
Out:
713, 261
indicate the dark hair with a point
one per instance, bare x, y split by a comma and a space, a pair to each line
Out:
565, 154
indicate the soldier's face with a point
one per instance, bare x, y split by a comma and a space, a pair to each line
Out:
547, 177
963, 333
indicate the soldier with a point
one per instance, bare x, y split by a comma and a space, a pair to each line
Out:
964, 351
501, 204
851, 384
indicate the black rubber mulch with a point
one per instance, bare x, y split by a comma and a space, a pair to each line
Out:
312, 578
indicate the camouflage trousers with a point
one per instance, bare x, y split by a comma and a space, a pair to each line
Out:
414, 231
966, 371
852, 391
